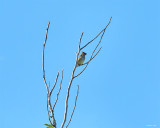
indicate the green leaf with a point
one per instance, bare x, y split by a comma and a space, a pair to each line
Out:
49, 125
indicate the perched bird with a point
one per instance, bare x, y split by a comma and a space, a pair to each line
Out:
81, 59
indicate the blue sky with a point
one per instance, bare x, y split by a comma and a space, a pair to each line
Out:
119, 89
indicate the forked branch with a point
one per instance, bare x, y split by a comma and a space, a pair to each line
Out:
73, 72
50, 109
58, 91
98, 34
70, 83
92, 57
54, 84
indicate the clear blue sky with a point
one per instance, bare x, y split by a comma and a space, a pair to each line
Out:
119, 89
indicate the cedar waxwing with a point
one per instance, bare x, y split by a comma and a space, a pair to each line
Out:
81, 59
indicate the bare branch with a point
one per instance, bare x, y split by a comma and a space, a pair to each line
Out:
54, 83
98, 44
67, 97
100, 38
79, 46
108, 22
92, 39
74, 106
49, 102
48, 111
98, 34
70, 83
47, 87
83, 69
88, 61
43, 58
51, 110
92, 57
58, 91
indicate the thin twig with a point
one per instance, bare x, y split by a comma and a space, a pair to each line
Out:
49, 106
83, 69
70, 83
79, 49
92, 57
88, 62
92, 39
58, 91
47, 87
98, 43
79, 46
97, 35
74, 106
54, 83
44, 69
43, 58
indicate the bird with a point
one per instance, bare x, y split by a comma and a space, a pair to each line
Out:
81, 59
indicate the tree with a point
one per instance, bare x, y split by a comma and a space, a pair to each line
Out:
50, 108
